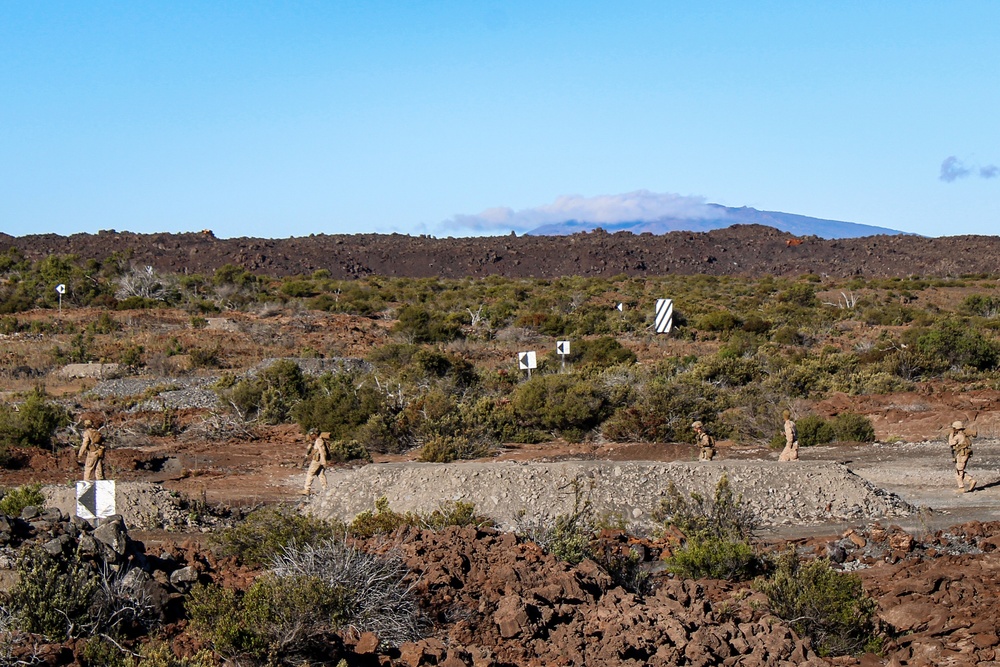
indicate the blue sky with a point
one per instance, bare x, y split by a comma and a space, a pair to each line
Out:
288, 118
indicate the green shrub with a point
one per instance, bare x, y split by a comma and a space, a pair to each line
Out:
380, 522
379, 435
455, 513
814, 430
266, 532
625, 569
845, 427
104, 324
718, 534
271, 395
137, 303
14, 500
348, 450
714, 558
565, 536
204, 357
104, 652
447, 448
960, 345
872, 381
547, 324
33, 424
66, 597
131, 356
600, 353
664, 411
722, 320
159, 654
165, 426
828, 606
298, 288
799, 294
340, 404
559, 402
851, 427
421, 325
277, 621
788, 335
729, 371
756, 324
981, 305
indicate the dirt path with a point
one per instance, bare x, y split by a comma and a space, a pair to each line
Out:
922, 474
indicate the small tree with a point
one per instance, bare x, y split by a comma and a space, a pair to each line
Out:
310, 592
718, 534
33, 423
818, 602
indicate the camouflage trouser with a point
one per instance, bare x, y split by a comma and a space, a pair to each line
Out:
707, 454
316, 469
961, 459
790, 452
93, 468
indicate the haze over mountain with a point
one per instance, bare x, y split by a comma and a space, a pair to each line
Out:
644, 211
799, 225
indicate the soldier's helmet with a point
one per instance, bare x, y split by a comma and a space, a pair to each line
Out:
787, 414
696, 425
958, 426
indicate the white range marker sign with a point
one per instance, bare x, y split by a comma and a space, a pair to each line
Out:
562, 347
95, 500
664, 315
526, 360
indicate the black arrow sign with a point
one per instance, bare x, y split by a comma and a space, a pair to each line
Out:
88, 499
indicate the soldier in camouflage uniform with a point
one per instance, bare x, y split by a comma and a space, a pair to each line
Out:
961, 450
91, 446
705, 442
316, 454
791, 450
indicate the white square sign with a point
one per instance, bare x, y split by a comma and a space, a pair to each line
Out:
526, 360
95, 500
562, 347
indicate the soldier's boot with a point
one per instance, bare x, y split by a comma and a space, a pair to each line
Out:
972, 484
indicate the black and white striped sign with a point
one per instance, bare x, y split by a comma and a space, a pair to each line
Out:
664, 315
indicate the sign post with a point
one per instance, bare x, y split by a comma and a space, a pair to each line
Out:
562, 349
526, 361
60, 290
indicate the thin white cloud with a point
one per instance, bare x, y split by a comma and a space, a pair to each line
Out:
638, 206
953, 169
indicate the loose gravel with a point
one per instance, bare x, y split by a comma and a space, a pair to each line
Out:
778, 493
179, 393
141, 504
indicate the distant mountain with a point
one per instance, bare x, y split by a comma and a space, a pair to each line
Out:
799, 225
